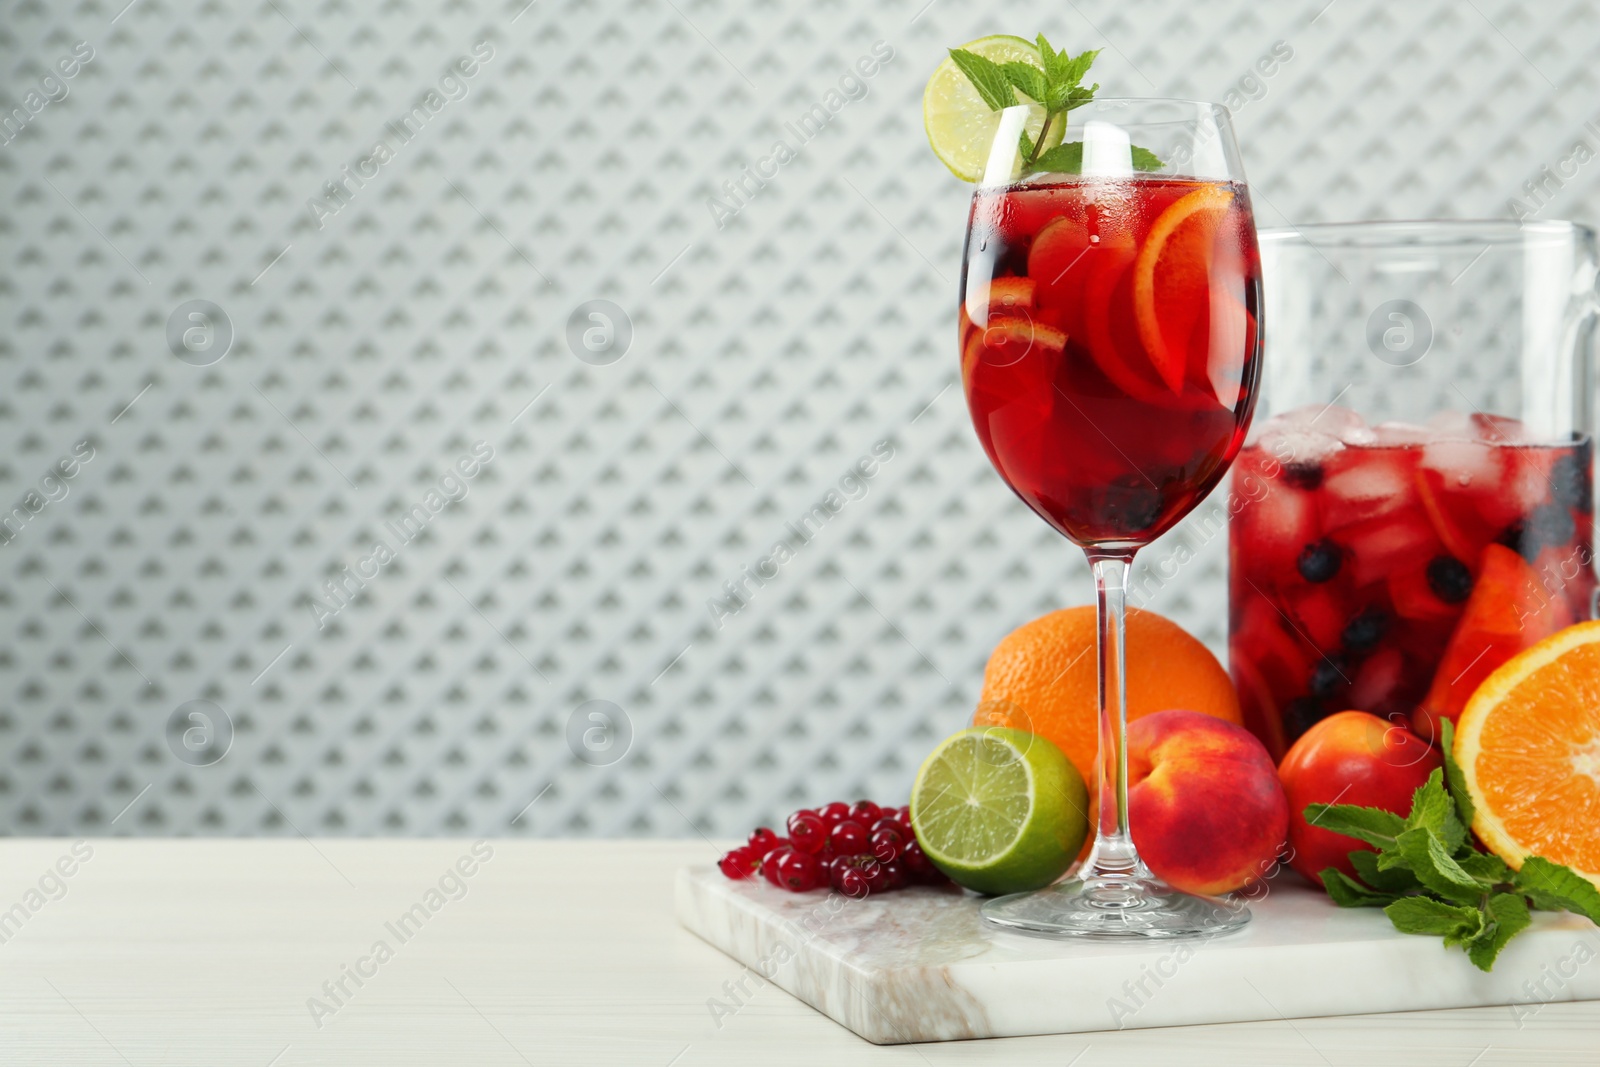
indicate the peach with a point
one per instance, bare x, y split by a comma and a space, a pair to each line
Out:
1349, 758
1204, 804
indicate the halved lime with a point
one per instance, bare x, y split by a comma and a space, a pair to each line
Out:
999, 810
959, 124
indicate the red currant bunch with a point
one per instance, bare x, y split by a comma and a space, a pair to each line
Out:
857, 849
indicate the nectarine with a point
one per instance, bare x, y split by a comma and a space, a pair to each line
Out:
1204, 804
1349, 758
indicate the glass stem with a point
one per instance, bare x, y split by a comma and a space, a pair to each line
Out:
1113, 853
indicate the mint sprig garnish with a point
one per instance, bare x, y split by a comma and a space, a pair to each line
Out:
1058, 86
1428, 877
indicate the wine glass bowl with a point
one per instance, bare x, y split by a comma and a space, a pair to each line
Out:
1110, 351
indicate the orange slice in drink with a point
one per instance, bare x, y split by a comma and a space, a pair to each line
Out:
1172, 278
1109, 330
1085, 277
1007, 340
1060, 260
1456, 523
1508, 611
1011, 294
1529, 748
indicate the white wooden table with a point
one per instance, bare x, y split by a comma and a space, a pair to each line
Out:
207, 952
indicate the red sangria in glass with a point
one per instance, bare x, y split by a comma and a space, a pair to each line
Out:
1106, 330
1109, 324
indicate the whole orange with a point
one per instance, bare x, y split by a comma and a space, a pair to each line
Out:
1043, 675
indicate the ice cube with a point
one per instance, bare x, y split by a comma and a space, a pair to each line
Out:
1500, 429
1368, 483
1396, 541
1301, 446
1402, 433
1341, 422
1358, 435
1275, 522
1461, 463
1330, 419
1521, 482
1453, 425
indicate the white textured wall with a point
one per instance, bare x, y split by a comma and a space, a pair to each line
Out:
374, 346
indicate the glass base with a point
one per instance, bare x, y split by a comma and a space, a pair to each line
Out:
1115, 907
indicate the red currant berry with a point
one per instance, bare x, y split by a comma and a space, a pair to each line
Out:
865, 812
876, 877
740, 863
894, 874
847, 879
835, 813
903, 817
887, 843
769, 863
849, 838
764, 840
797, 871
915, 861
807, 831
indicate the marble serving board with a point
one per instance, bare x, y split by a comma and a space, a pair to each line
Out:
920, 965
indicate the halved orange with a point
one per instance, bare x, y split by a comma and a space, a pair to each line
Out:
1528, 743
1172, 278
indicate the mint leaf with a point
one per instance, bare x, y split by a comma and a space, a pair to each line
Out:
1027, 78
1456, 923
1349, 893
1553, 887
1062, 159
1068, 159
1047, 54
986, 77
1488, 870
1430, 861
1397, 880
1373, 825
1064, 73
1144, 159
1432, 809
1070, 72
1453, 775
1508, 917
1067, 97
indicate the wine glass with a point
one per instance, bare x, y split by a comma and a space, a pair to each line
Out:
1110, 340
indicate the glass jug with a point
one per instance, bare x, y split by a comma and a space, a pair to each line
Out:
1414, 503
